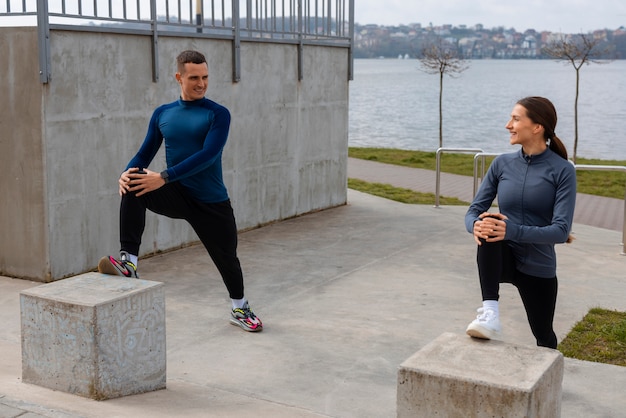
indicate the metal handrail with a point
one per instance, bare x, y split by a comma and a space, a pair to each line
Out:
438, 166
610, 168
482, 156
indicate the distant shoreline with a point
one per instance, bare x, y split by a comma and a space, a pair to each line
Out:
478, 42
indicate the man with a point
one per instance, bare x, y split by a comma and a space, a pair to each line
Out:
195, 130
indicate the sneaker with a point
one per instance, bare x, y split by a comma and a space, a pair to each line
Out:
485, 326
246, 319
122, 267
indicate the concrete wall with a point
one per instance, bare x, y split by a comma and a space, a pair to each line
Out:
68, 140
23, 225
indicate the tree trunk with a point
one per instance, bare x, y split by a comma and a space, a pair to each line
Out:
576, 116
440, 109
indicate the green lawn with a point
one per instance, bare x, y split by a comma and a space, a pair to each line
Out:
600, 336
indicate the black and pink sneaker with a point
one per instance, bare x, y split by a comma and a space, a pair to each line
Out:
246, 319
122, 267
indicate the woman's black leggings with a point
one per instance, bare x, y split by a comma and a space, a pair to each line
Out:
496, 264
213, 222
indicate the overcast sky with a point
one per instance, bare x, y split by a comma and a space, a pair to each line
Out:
568, 16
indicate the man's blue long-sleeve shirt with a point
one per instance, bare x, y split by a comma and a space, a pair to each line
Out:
195, 133
538, 195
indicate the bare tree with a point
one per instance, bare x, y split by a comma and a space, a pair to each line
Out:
576, 50
441, 58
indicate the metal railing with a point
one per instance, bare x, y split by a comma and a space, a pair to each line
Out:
610, 168
298, 22
438, 166
480, 157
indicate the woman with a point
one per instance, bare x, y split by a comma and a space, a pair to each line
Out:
536, 189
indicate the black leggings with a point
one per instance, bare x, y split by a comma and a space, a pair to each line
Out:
496, 264
213, 222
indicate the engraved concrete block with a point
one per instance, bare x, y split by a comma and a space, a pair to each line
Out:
94, 335
457, 376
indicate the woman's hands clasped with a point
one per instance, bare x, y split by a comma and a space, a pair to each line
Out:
490, 228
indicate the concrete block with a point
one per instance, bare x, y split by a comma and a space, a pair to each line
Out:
94, 335
458, 376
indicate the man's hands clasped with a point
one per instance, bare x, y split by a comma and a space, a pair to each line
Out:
139, 181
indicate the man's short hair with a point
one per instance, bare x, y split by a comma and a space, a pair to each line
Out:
189, 56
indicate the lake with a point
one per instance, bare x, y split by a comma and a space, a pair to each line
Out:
395, 104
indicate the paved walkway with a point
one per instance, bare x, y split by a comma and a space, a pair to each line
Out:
346, 294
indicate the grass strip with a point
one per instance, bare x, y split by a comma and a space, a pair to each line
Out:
600, 337
398, 194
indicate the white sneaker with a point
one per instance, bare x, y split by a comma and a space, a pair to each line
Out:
485, 326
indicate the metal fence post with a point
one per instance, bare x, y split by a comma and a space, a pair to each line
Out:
199, 14
300, 36
236, 43
155, 41
351, 36
43, 38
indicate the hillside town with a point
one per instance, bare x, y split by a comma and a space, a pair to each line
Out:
475, 42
